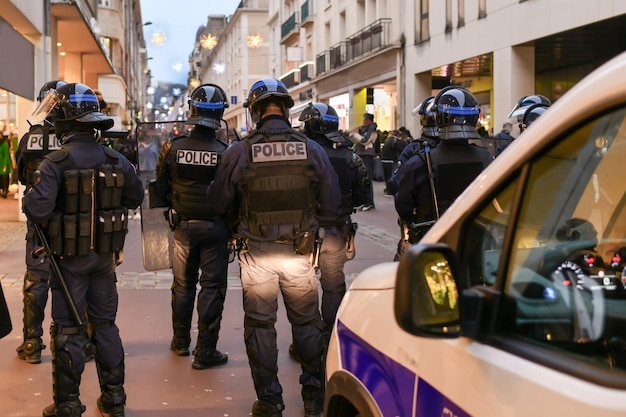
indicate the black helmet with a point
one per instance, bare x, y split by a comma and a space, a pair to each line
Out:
526, 101
206, 106
55, 112
533, 99
532, 113
456, 113
322, 119
264, 89
427, 117
79, 110
49, 86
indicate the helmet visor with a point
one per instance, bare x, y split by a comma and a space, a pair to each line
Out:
45, 107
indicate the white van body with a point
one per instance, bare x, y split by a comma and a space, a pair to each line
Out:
526, 341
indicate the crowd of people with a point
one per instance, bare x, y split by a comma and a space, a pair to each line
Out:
280, 200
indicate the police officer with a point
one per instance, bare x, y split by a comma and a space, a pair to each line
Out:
428, 139
523, 114
431, 181
186, 167
278, 181
321, 124
82, 193
33, 146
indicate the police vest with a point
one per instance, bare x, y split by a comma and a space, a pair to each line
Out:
193, 164
90, 215
39, 142
278, 184
454, 168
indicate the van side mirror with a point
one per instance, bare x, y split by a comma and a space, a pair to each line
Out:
426, 294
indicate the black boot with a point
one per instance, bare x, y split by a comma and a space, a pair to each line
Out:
65, 380
181, 339
205, 353
30, 350
31, 347
113, 397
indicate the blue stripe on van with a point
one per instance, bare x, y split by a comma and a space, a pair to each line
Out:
390, 384
431, 402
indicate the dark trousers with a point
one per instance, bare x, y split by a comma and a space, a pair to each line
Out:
199, 246
368, 161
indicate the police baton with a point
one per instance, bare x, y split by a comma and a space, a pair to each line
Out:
319, 239
431, 178
45, 247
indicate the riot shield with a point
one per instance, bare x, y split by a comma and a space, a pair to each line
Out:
156, 236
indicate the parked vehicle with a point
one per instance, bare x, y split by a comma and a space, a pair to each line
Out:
513, 303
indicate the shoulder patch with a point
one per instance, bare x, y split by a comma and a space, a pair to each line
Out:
57, 156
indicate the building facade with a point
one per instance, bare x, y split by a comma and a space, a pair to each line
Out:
95, 42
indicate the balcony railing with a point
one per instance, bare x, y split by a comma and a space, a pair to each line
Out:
306, 11
289, 25
306, 71
369, 39
320, 63
337, 55
291, 79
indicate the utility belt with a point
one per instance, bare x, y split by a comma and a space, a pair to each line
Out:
303, 243
413, 232
176, 221
94, 217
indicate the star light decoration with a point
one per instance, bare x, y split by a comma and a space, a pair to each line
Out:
158, 38
219, 67
208, 41
177, 66
255, 41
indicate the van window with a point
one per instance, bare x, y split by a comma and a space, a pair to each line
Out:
484, 238
565, 279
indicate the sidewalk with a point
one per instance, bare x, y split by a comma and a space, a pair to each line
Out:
158, 383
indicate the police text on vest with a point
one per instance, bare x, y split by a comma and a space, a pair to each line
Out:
35, 142
203, 158
278, 151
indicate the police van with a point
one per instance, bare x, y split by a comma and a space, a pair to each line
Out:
514, 303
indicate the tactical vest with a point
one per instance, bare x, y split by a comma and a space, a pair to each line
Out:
193, 165
40, 142
91, 214
278, 184
454, 168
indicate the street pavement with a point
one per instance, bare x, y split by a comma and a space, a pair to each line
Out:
158, 383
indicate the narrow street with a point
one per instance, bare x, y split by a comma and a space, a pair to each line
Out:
158, 383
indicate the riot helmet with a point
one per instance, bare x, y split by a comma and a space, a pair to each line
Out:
532, 113
427, 117
206, 106
516, 116
322, 119
49, 86
50, 112
526, 101
264, 92
456, 113
79, 109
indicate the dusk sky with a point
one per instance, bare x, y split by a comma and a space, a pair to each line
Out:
179, 21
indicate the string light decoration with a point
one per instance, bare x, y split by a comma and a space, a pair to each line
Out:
208, 41
255, 41
158, 38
